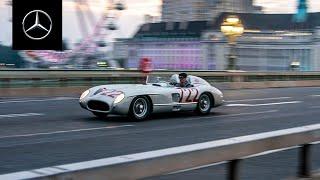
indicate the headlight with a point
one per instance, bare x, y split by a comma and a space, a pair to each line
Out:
84, 94
119, 98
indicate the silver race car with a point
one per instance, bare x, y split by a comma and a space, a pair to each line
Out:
156, 96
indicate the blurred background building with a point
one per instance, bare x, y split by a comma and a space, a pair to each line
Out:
204, 10
170, 45
151, 19
121, 53
271, 42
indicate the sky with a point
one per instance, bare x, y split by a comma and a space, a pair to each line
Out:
130, 19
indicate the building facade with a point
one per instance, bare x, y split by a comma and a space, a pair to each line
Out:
267, 51
170, 45
271, 42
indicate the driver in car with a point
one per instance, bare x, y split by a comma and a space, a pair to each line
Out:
183, 81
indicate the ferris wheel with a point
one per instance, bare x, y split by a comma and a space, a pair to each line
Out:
92, 39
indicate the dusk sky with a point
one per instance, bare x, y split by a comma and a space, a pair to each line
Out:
132, 17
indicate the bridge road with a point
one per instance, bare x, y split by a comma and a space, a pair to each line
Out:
46, 131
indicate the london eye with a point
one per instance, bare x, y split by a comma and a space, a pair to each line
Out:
94, 41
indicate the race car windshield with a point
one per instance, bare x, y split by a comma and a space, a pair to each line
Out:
170, 81
157, 79
163, 81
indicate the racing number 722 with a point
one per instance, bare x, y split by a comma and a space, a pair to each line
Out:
188, 95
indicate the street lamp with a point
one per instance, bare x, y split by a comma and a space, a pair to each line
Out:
232, 28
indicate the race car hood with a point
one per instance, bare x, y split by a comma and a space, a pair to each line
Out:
127, 89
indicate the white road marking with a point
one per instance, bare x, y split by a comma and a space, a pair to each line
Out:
38, 100
240, 114
315, 95
262, 99
266, 104
231, 115
67, 131
20, 115
243, 114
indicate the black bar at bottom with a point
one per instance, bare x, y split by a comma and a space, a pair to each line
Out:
234, 170
304, 161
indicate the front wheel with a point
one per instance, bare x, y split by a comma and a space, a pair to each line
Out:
100, 115
140, 108
204, 104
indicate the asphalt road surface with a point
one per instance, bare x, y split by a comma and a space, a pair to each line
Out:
48, 131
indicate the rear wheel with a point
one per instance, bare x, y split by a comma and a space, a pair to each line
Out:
204, 104
140, 108
100, 115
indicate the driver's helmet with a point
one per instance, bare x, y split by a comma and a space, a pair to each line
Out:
174, 79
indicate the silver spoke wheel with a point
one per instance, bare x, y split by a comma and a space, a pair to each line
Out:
204, 103
140, 107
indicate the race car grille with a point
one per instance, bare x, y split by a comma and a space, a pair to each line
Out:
98, 106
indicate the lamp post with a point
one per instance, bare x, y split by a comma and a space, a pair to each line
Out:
232, 28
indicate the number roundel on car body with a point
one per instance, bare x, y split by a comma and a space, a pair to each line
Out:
108, 92
188, 95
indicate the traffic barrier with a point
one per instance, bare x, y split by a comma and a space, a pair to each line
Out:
164, 161
59, 82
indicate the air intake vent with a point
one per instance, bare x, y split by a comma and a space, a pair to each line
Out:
98, 106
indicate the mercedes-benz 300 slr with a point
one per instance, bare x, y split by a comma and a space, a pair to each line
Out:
139, 101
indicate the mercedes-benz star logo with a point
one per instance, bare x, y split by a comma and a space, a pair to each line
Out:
37, 25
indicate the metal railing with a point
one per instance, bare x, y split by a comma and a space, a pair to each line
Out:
64, 78
160, 162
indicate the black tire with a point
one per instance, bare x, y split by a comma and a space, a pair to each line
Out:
100, 115
140, 108
205, 104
